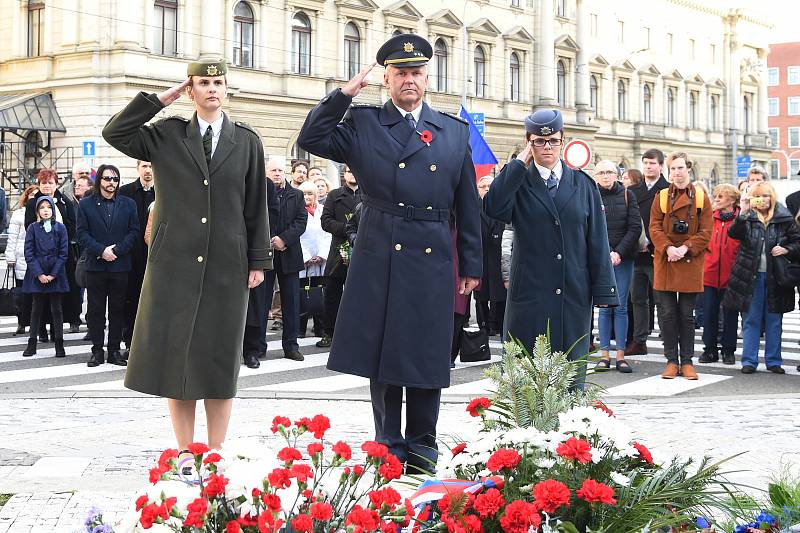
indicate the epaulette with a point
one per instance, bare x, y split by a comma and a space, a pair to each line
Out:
455, 117
247, 127
177, 117
364, 106
587, 176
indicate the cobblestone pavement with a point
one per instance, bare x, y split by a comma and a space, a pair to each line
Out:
59, 457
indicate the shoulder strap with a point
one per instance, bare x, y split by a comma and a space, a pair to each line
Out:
699, 195
626, 198
663, 197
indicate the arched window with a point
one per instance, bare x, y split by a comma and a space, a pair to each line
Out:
301, 44
480, 72
593, 92
670, 107
622, 97
165, 36
513, 64
352, 50
561, 83
747, 113
440, 60
35, 27
243, 22
713, 111
647, 103
692, 109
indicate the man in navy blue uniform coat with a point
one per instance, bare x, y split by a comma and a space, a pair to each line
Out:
415, 172
561, 261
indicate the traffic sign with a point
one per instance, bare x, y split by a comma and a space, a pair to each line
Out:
479, 119
88, 149
743, 164
577, 154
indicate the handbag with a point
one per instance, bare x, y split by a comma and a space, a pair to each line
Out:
475, 346
786, 273
10, 296
312, 298
80, 270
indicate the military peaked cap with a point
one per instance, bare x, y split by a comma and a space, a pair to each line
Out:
405, 50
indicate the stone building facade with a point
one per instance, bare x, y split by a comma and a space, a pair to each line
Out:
783, 79
628, 75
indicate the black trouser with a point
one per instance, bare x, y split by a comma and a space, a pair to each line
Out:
459, 321
71, 301
334, 287
290, 306
40, 301
676, 320
105, 288
26, 303
255, 330
134, 290
490, 315
418, 447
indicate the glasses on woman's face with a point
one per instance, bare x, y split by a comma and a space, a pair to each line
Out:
605, 173
539, 142
110, 178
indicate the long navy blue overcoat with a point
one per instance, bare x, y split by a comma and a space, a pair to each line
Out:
395, 323
560, 262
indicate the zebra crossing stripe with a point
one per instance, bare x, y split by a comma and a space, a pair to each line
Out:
659, 387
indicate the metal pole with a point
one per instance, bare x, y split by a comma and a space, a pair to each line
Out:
465, 58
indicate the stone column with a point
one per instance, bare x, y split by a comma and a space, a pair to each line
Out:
211, 30
263, 49
288, 40
763, 104
316, 45
89, 30
127, 17
69, 25
341, 20
545, 58
582, 98
368, 54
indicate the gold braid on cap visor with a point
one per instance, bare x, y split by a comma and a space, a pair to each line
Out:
405, 60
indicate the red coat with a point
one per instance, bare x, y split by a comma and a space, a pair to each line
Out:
722, 252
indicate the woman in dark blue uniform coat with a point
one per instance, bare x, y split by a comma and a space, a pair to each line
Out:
560, 265
395, 321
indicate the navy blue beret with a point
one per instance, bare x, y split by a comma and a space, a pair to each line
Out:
544, 122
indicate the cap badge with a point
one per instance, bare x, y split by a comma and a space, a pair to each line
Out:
212, 70
547, 130
408, 47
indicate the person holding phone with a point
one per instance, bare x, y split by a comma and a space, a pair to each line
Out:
766, 230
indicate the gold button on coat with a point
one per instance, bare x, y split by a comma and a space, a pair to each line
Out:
199, 258
398, 247
433, 168
402, 165
428, 250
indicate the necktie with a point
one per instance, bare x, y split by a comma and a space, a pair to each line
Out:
552, 185
411, 122
207, 142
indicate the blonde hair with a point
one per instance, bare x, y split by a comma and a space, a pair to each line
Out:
765, 188
307, 186
728, 190
679, 155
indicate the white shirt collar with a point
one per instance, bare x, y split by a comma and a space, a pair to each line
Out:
216, 126
544, 172
414, 113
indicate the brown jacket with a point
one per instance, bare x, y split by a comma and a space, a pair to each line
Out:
685, 275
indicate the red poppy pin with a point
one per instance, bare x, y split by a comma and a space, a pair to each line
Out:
426, 136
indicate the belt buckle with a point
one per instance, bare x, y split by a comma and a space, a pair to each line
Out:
409, 214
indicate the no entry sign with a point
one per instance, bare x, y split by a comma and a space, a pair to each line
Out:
577, 154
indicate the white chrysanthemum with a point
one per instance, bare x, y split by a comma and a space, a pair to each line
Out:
620, 479
545, 463
244, 475
589, 422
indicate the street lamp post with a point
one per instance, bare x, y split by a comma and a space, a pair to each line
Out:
788, 158
465, 55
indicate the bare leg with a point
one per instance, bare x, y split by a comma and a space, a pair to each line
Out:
218, 414
182, 414
620, 355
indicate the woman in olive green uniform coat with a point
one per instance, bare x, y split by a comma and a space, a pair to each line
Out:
209, 245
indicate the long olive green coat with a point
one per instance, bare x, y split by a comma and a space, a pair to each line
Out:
209, 228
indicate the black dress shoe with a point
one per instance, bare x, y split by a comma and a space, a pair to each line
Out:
31, 348
325, 342
251, 361
276, 325
776, 369
60, 348
97, 358
747, 369
115, 358
294, 355
709, 356
125, 354
20, 330
728, 358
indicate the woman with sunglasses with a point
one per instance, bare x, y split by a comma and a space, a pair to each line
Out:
108, 226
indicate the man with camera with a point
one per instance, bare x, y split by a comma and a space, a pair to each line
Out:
680, 229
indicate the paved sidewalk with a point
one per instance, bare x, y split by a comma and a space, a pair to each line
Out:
62, 456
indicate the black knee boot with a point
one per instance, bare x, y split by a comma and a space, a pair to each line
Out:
60, 348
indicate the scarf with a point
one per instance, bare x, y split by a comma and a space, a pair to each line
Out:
725, 217
311, 209
47, 225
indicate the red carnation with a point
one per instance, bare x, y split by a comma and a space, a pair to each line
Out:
519, 517
157, 472
280, 421
472, 523
600, 406
426, 136
386, 496
287, 455
279, 478
314, 448
197, 448
141, 501
358, 470
593, 491
303, 423
166, 455
342, 449
374, 449
303, 522
549, 495
215, 485
213, 457
319, 425
362, 519
301, 472
478, 405
644, 453
321, 511
576, 449
391, 468
488, 503
458, 448
503, 458
198, 506
232, 527
271, 501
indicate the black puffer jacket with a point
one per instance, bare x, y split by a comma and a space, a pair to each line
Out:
623, 220
748, 229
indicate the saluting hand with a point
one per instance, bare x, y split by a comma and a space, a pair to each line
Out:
359, 81
526, 155
173, 93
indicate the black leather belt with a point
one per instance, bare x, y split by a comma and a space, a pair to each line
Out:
407, 212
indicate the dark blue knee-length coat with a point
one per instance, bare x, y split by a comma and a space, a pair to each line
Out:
560, 264
46, 253
395, 323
